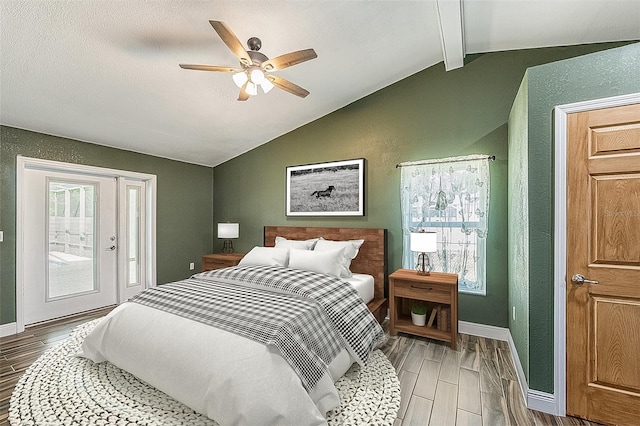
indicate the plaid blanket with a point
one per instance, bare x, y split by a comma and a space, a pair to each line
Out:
344, 308
296, 325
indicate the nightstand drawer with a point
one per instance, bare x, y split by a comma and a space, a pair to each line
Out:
422, 291
220, 260
216, 264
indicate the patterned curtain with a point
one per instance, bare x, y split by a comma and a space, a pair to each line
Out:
451, 197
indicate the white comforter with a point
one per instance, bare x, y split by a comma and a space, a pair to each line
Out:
228, 378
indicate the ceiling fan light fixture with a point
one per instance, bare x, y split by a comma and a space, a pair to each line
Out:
257, 76
251, 88
266, 86
240, 78
255, 66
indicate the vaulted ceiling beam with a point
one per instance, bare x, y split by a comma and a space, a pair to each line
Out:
451, 27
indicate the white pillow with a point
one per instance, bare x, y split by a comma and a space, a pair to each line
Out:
351, 249
324, 262
267, 256
282, 242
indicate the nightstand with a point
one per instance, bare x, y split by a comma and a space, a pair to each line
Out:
220, 260
439, 289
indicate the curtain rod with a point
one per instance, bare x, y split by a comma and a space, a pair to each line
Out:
418, 163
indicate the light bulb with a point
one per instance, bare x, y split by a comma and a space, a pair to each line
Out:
251, 89
257, 76
240, 78
266, 86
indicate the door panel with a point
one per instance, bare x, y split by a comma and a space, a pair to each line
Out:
616, 216
614, 139
603, 231
70, 247
616, 362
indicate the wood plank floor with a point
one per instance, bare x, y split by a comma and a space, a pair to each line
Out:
475, 385
19, 351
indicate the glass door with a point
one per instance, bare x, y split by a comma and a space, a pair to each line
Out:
70, 244
85, 238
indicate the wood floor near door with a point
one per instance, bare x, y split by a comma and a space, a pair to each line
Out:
19, 351
474, 385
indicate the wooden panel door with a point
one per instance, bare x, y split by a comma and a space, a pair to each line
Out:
603, 245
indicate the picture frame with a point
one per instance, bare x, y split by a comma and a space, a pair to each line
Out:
326, 189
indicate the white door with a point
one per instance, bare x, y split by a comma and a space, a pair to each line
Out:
70, 243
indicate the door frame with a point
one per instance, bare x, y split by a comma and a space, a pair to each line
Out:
560, 235
24, 163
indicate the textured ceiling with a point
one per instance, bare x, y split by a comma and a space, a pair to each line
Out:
107, 72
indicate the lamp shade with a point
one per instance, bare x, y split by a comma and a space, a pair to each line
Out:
424, 242
251, 88
257, 75
228, 230
240, 78
266, 85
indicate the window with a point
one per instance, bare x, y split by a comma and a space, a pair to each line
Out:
451, 197
133, 234
72, 263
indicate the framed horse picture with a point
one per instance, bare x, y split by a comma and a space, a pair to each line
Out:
326, 189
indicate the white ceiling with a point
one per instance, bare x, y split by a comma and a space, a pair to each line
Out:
107, 72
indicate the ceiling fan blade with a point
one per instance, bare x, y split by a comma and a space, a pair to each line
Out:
232, 42
289, 60
287, 86
243, 95
208, 68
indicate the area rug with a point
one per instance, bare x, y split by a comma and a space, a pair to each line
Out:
60, 389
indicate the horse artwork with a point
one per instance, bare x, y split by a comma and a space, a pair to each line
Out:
325, 193
326, 189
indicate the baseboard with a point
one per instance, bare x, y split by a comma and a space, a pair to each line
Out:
533, 399
519, 370
483, 330
8, 329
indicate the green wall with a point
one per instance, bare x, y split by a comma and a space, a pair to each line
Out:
184, 202
431, 114
600, 75
518, 220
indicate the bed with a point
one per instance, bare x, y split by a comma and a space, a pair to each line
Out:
310, 328
371, 260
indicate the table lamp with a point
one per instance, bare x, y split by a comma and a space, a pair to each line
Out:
423, 243
228, 231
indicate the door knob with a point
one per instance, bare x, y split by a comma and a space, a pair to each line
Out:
112, 248
579, 279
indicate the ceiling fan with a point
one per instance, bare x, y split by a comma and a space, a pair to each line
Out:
255, 66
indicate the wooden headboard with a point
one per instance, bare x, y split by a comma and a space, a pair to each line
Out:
371, 259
